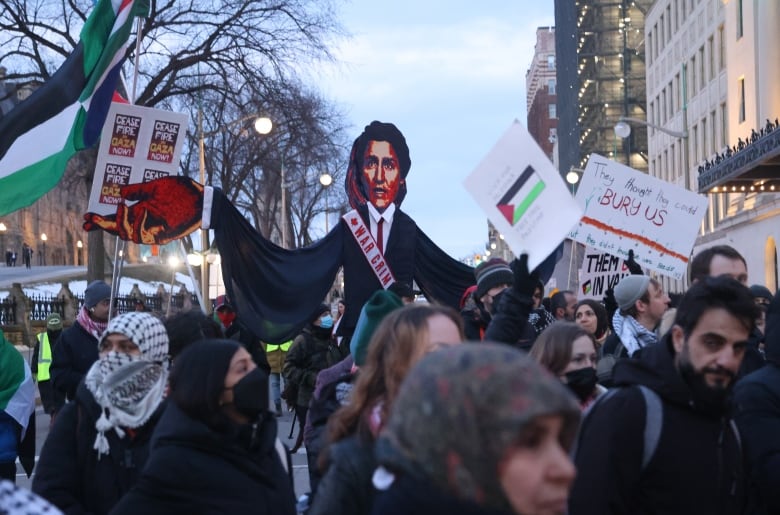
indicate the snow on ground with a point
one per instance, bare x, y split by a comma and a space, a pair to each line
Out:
51, 289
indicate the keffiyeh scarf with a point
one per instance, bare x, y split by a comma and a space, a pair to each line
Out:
632, 334
129, 388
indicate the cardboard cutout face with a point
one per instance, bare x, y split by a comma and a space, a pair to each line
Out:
381, 173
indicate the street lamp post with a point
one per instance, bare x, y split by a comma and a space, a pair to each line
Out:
623, 130
79, 246
263, 125
326, 180
43, 239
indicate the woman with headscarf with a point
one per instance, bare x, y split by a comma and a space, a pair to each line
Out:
402, 337
592, 316
214, 449
100, 442
569, 351
477, 429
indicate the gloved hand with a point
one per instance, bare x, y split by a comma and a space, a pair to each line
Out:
525, 282
165, 209
610, 304
632, 265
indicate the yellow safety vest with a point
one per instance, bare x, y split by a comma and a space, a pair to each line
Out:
44, 358
269, 347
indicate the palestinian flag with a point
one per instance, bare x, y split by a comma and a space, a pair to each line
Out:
525, 190
66, 114
17, 390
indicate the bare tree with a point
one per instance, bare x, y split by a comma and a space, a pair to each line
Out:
227, 58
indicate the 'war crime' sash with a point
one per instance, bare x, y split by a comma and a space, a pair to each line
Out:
369, 248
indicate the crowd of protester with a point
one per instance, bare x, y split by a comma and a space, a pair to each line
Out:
516, 404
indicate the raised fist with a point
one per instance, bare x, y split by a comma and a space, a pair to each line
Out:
154, 212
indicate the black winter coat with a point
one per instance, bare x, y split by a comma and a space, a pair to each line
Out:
72, 355
309, 354
346, 488
196, 470
69, 473
696, 468
414, 496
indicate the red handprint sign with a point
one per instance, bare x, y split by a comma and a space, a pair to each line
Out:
153, 213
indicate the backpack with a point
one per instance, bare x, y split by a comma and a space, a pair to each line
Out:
654, 421
607, 362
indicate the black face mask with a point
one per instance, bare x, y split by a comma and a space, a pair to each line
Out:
582, 382
250, 394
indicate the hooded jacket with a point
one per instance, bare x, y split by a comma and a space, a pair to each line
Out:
757, 413
697, 464
196, 470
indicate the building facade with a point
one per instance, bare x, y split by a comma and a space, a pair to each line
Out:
712, 72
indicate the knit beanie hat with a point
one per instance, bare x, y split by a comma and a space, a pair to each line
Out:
54, 322
96, 291
492, 273
761, 292
459, 412
379, 305
630, 289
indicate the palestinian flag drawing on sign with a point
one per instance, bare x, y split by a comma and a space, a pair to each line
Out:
525, 190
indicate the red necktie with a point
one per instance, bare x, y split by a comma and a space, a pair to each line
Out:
380, 241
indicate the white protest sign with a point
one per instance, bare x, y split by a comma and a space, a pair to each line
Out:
138, 144
625, 209
523, 195
600, 271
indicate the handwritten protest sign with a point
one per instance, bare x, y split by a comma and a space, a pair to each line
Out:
138, 144
626, 209
523, 195
600, 271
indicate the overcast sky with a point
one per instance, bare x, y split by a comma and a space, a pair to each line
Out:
451, 76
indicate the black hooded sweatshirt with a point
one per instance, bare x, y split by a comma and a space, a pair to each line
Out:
697, 464
757, 413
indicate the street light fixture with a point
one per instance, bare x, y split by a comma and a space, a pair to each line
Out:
623, 130
43, 239
326, 180
263, 125
79, 245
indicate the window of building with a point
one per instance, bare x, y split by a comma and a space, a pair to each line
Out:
714, 133
678, 90
692, 82
741, 90
655, 41
671, 100
669, 22
663, 36
724, 125
711, 56
721, 48
704, 149
552, 111
695, 143
650, 47
702, 76
673, 163
553, 135
666, 165
551, 62
663, 106
676, 15
740, 20
551, 86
